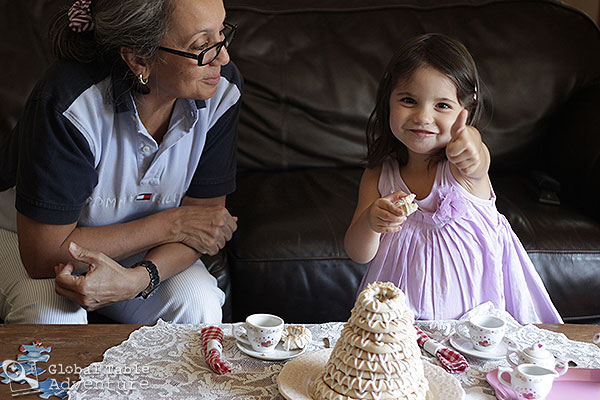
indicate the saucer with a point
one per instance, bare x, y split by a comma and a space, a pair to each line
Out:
277, 354
466, 347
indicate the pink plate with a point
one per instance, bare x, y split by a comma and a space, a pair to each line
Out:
579, 383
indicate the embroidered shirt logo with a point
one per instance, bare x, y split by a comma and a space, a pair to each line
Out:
144, 196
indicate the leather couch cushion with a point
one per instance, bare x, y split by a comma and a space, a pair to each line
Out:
287, 256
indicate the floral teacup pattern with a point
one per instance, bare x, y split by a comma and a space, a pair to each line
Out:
263, 331
484, 331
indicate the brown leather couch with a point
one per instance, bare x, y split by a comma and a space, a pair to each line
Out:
311, 70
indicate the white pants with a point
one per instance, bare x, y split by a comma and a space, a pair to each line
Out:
190, 297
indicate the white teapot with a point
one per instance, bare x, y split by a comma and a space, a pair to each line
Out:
537, 354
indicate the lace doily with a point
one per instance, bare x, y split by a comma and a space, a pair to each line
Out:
166, 361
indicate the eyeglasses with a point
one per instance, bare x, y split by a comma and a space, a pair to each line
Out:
209, 54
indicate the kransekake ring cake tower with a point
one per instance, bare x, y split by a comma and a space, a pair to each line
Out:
377, 356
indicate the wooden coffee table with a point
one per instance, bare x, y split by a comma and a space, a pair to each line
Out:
77, 346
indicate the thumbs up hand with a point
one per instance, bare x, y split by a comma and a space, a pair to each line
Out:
459, 125
466, 150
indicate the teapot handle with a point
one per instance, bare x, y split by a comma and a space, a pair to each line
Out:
501, 379
510, 361
562, 366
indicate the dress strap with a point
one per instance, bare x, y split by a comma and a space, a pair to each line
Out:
390, 179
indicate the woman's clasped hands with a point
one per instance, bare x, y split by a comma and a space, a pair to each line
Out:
205, 229
106, 281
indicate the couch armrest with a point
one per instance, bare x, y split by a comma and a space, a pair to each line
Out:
573, 152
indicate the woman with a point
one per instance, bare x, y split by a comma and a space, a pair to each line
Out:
125, 151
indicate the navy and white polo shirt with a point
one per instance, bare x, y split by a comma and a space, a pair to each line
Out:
80, 153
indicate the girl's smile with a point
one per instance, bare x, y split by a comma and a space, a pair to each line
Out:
422, 133
423, 109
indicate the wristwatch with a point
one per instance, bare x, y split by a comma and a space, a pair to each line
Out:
154, 278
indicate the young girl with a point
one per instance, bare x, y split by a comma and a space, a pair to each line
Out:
456, 251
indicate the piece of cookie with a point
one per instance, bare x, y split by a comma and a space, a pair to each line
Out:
367, 395
381, 297
404, 352
406, 204
375, 326
350, 371
363, 383
320, 390
391, 337
378, 366
370, 346
295, 337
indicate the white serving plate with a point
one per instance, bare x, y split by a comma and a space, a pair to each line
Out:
296, 376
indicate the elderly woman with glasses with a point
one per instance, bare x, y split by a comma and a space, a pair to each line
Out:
114, 181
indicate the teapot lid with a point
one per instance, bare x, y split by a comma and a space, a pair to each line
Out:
538, 350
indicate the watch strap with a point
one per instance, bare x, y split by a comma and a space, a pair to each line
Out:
154, 278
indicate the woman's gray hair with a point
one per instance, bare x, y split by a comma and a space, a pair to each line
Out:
139, 25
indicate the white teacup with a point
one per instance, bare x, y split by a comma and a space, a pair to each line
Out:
485, 331
263, 331
528, 381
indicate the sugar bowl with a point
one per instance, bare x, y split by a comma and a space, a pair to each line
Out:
537, 354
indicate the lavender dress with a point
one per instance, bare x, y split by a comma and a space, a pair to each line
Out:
456, 252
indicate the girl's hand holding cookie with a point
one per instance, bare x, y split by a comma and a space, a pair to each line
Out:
384, 215
465, 150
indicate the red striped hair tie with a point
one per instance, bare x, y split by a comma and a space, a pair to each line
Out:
80, 16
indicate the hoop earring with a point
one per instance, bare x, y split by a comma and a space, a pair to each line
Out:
142, 80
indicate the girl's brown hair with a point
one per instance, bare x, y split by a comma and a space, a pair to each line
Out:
440, 52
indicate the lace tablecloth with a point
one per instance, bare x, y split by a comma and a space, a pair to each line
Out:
166, 361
